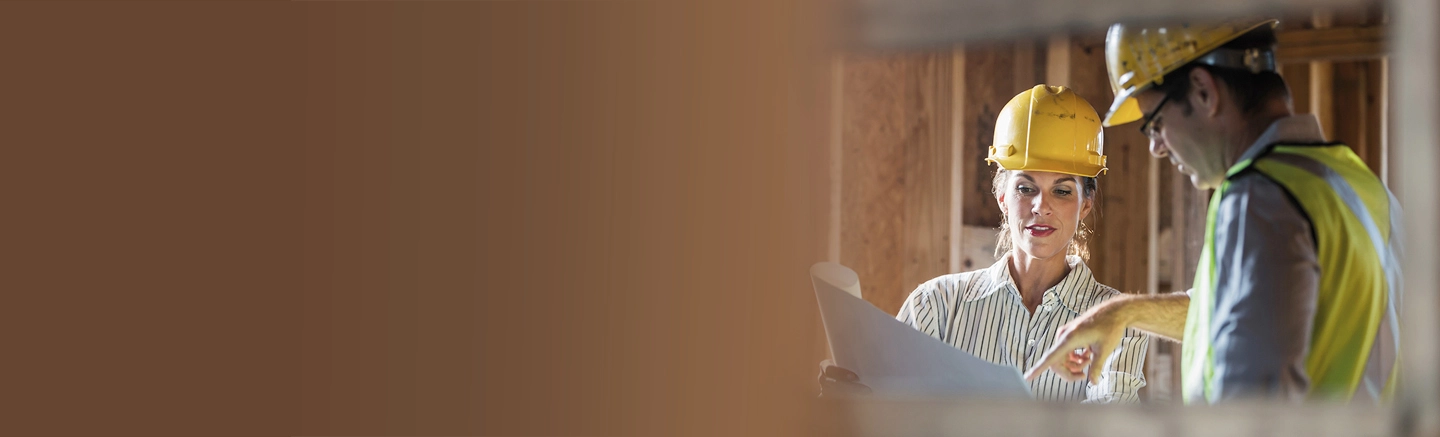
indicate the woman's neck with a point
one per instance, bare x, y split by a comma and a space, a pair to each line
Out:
1033, 276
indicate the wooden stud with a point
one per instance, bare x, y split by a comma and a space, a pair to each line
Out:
1322, 97
1322, 78
837, 120
1384, 127
1331, 44
926, 180
1057, 62
1024, 69
1297, 76
989, 85
1120, 246
1348, 92
1373, 101
957, 157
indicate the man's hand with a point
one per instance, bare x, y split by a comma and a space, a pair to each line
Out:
836, 381
1086, 341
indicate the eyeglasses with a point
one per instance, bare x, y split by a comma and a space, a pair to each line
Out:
1151, 126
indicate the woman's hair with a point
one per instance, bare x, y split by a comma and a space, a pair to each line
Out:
1078, 244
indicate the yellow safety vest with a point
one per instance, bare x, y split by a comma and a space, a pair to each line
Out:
1354, 343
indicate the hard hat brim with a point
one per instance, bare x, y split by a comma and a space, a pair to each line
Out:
1125, 108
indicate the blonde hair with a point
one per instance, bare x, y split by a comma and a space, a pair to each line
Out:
1079, 244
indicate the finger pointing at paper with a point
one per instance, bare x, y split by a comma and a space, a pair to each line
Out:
1089, 339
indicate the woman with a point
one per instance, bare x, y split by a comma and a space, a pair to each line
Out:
1049, 150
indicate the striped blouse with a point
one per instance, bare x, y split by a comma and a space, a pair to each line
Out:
980, 312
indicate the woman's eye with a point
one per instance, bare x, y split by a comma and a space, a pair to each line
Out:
1062, 192
1024, 190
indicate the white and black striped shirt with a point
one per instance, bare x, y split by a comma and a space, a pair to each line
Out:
981, 312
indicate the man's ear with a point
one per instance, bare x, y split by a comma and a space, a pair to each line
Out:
1204, 92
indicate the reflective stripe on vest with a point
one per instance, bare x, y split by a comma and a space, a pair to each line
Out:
1354, 341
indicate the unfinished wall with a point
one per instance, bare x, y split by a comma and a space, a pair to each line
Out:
914, 193
896, 175
903, 118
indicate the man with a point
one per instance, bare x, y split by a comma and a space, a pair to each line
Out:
1295, 296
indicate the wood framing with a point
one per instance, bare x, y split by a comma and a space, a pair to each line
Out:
1333, 44
990, 83
895, 172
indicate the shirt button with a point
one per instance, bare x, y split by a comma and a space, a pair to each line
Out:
1032, 342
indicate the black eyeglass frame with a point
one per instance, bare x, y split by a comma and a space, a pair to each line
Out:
1154, 115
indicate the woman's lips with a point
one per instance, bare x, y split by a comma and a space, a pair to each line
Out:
1039, 230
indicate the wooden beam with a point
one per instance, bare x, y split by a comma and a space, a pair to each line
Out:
1322, 80
1322, 96
1024, 71
1373, 100
957, 157
1297, 76
837, 121
1332, 44
926, 179
928, 23
1057, 63
990, 83
1386, 103
1349, 95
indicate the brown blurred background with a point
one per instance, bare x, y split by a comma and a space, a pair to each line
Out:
427, 218
522, 217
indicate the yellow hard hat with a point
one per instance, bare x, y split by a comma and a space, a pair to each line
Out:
1139, 57
1049, 128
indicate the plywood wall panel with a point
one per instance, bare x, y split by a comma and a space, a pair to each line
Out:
989, 84
895, 167
1119, 245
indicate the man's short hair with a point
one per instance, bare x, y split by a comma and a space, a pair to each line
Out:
1252, 89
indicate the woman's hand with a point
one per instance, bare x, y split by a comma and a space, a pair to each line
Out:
836, 381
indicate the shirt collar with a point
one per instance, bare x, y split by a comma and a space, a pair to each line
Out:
1073, 289
1298, 128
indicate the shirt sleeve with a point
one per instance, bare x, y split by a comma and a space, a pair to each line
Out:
922, 310
1123, 374
1267, 282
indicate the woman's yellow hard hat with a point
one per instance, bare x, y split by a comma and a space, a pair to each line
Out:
1049, 128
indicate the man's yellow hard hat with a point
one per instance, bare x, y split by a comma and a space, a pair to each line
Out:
1049, 128
1139, 57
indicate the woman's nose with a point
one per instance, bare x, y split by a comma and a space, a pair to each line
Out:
1040, 205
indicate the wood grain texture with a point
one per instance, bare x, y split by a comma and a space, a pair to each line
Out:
1349, 95
990, 83
1372, 103
1322, 96
1119, 248
1297, 76
1332, 44
896, 168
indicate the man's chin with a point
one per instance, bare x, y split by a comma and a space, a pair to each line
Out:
1203, 183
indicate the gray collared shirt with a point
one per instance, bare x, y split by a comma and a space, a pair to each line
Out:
1267, 279
981, 312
